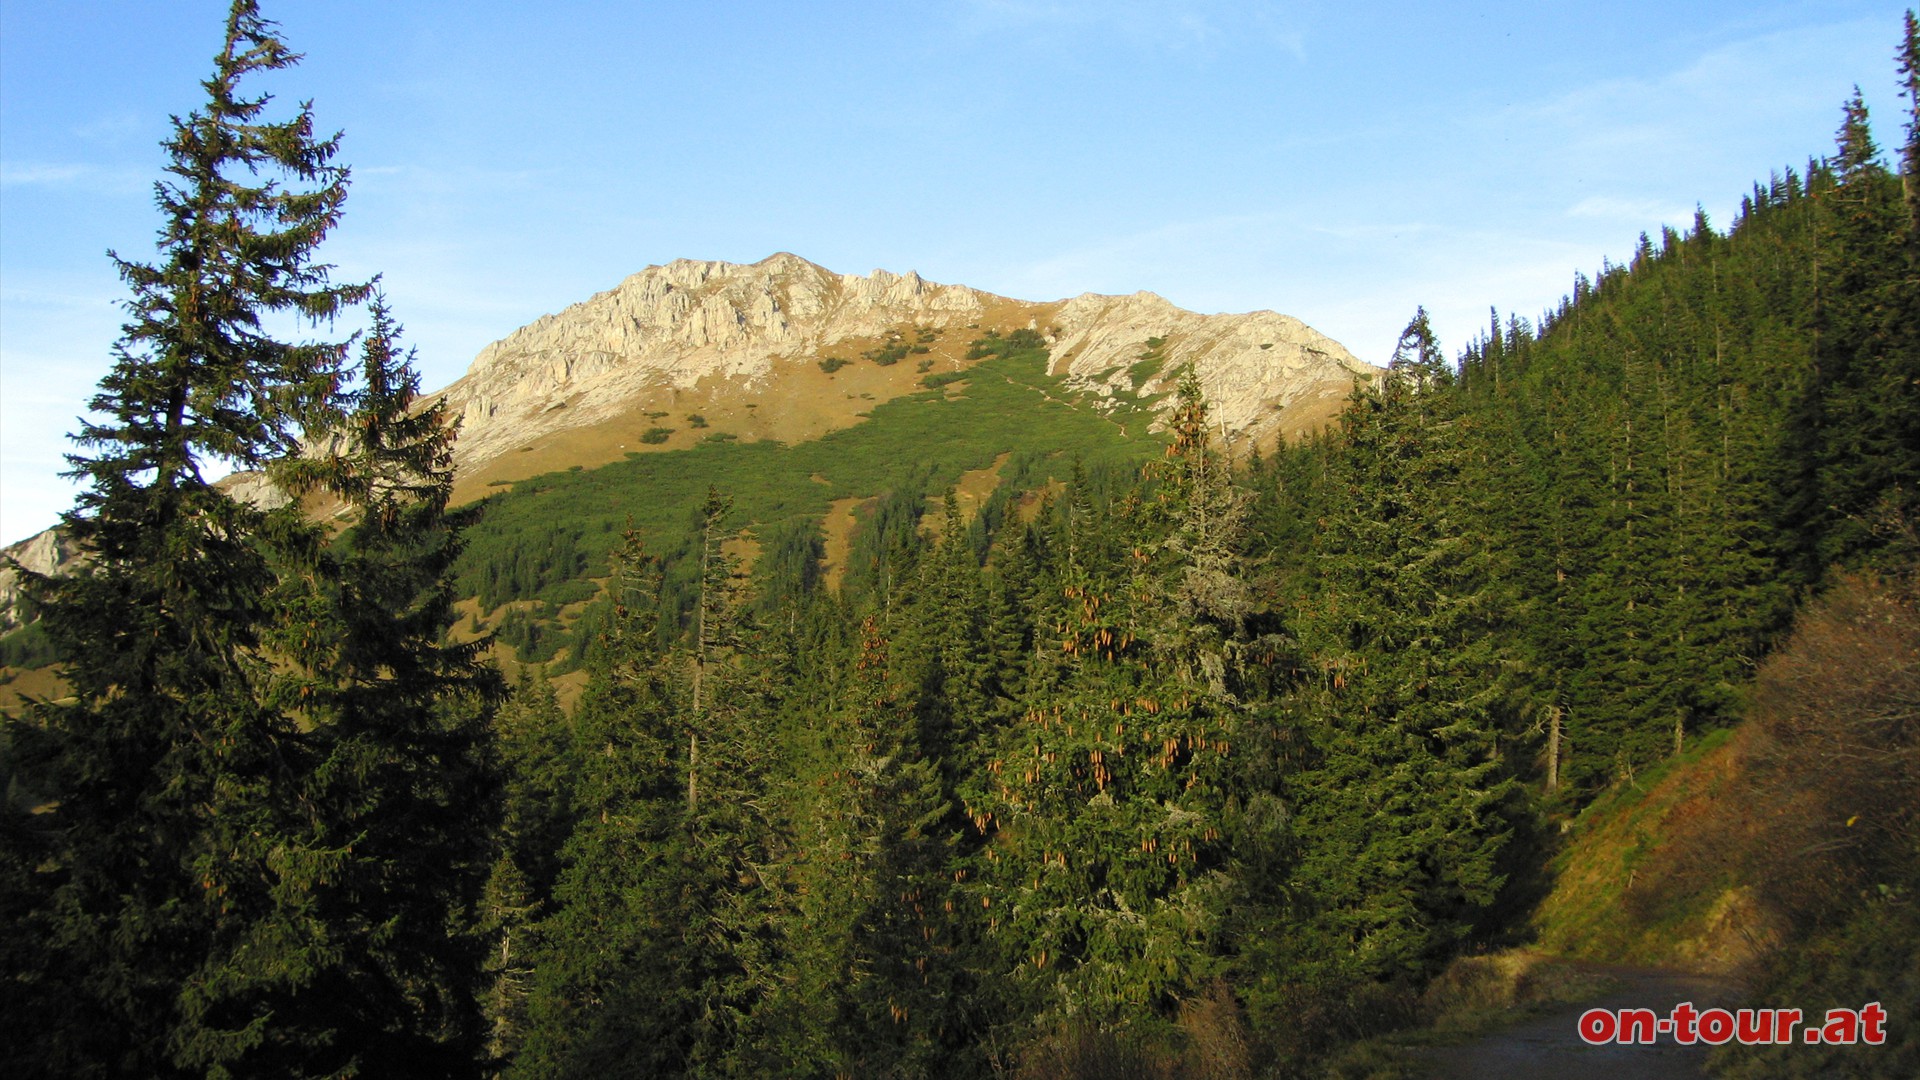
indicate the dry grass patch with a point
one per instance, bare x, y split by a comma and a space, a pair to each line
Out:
838, 531
970, 492
19, 684
743, 549
1630, 889
1310, 413
567, 689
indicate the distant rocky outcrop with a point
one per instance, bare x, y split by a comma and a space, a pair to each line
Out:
1256, 369
43, 553
51, 552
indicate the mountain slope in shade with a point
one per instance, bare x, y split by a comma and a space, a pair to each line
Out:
691, 349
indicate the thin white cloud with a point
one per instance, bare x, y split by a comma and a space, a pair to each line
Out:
1640, 213
1304, 262
112, 130
1173, 25
462, 182
45, 393
71, 177
12, 175
1111, 262
1728, 92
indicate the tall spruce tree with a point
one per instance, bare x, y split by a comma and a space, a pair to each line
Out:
652, 958
1399, 816
868, 980
537, 758
1865, 400
263, 781
611, 989
1103, 808
398, 716
1910, 153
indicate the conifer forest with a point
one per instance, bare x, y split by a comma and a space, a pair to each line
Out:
1205, 761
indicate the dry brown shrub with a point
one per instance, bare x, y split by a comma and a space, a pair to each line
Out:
1835, 784
1708, 837
1811, 806
1820, 794
1305, 1020
1212, 1042
1474, 991
1470, 983
1219, 1046
1086, 1052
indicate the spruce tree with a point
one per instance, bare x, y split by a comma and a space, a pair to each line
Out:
716, 610
1910, 151
1867, 350
609, 993
174, 904
1399, 816
399, 719
539, 761
1102, 809
1207, 598
653, 956
869, 964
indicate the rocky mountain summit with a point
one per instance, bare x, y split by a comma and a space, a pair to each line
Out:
709, 335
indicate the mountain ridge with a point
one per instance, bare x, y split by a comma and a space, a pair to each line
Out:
707, 334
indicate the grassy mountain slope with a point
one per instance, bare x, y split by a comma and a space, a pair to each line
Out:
548, 537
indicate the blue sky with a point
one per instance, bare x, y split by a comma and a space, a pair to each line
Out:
1340, 163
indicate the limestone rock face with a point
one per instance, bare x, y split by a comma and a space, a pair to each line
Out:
50, 552
43, 553
253, 489
674, 325
1256, 369
689, 323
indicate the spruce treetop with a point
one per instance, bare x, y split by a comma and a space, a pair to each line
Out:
1910, 155
1417, 356
246, 203
1856, 165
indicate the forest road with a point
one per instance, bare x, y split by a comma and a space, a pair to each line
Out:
1550, 1046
